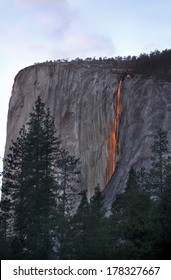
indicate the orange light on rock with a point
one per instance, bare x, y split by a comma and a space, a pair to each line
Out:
114, 134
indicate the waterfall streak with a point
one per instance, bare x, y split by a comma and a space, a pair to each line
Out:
115, 131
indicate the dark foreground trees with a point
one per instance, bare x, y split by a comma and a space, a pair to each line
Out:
86, 236
39, 188
139, 226
31, 188
140, 219
130, 222
159, 182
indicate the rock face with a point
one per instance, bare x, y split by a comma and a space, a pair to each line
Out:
82, 98
146, 107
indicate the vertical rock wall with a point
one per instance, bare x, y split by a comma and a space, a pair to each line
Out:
146, 107
83, 101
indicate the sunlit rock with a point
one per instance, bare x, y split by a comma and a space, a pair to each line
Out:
83, 99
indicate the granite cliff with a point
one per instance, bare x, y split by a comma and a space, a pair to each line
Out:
105, 118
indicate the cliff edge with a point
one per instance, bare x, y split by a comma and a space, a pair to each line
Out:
83, 99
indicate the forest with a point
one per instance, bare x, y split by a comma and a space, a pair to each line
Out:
41, 183
156, 64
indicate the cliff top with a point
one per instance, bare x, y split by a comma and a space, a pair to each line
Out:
156, 64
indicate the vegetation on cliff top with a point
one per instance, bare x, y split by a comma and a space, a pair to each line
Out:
156, 64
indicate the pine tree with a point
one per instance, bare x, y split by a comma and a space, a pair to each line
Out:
13, 187
42, 156
68, 177
160, 189
97, 203
99, 235
130, 219
81, 227
29, 187
86, 237
4, 241
159, 158
157, 182
39, 186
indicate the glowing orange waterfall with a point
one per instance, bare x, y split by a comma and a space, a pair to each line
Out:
114, 133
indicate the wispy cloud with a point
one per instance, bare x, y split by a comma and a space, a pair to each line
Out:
50, 29
85, 44
37, 3
60, 31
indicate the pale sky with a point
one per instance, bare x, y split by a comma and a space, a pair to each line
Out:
39, 30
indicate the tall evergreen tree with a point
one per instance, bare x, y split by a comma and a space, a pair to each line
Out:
160, 189
12, 188
80, 231
159, 158
30, 185
130, 219
42, 156
99, 234
68, 177
157, 182
87, 237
